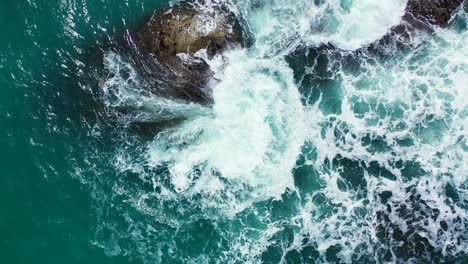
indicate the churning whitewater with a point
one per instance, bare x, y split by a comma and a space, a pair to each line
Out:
316, 149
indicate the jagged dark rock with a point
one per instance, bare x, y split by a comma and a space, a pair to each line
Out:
423, 15
419, 13
173, 36
420, 16
184, 29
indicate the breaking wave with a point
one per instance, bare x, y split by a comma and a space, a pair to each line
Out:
308, 154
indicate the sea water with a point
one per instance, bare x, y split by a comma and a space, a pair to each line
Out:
316, 149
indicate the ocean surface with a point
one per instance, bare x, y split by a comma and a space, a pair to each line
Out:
317, 149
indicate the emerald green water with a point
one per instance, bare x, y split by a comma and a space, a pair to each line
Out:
46, 215
379, 174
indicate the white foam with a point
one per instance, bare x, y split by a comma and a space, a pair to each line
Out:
243, 150
426, 86
124, 89
254, 135
280, 26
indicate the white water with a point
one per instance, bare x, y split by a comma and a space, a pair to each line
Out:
254, 136
280, 26
124, 89
254, 133
416, 99
244, 149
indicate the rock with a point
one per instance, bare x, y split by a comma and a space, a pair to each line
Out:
184, 29
420, 13
172, 37
423, 15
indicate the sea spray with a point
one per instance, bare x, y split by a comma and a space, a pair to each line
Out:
358, 159
253, 138
279, 27
392, 155
124, 90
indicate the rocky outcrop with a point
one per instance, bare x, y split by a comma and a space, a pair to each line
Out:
421, 13
180, 39
420, 16
184, 29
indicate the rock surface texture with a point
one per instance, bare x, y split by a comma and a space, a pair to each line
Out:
420, 13
424, 14
181, 39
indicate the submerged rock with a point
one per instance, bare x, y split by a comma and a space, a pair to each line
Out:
180, 39
420, 14
423, 15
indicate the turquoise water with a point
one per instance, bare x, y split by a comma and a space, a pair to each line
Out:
308, 154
